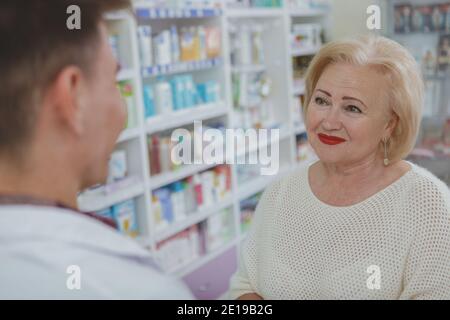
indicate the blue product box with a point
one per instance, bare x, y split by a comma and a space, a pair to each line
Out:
149, 101
163, 195
212, 91
188, 92
201, 91
177, 93
105, 213
124, 214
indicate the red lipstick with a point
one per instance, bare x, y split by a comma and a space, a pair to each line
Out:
330, 140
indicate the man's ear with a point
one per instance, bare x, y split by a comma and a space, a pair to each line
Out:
68, 96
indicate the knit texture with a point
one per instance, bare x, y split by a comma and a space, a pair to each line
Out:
393, 245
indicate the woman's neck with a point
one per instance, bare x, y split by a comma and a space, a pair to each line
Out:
351, 175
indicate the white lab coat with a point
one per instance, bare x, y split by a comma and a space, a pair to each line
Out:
39, 244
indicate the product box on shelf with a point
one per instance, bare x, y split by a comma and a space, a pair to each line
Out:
179, 249
180, 199
125, 216
306, 35
117, 166
218, 229
145, 45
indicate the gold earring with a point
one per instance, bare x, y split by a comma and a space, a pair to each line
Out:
386, 160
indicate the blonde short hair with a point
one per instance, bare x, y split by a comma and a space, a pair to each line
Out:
402, 72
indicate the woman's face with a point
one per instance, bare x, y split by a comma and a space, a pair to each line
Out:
348, 114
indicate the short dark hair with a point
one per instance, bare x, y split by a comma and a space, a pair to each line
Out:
36, 46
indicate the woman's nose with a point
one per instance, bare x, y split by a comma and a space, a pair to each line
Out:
332, 120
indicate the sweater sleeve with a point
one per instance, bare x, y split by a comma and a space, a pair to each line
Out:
427, 273
244, 280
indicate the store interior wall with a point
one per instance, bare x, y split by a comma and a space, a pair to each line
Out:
349, 17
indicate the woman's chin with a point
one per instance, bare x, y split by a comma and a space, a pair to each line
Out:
327, 157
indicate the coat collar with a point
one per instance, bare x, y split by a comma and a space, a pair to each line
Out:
23, 222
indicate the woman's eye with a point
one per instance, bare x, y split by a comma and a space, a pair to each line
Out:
320, 101
353, 109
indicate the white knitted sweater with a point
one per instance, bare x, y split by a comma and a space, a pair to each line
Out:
393, 245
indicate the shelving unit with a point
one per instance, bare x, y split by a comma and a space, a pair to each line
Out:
250, 188
254, 12
192, 219
248, 68
108, 199
185, 117
125, 74
278, 65
296, 13
299, 87
128, 134
193, 265
180, 67
166, 178
143, 11
305, 51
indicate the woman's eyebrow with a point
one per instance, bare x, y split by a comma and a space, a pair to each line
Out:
352, 98
344, 98
323, 91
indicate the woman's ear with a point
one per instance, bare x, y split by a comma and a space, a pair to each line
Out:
391, 124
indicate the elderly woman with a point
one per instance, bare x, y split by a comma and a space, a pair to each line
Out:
360, 223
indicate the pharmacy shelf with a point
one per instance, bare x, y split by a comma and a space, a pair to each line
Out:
300, 52
185, 117
167, 178
303, 164
298, 91
284, 134
243, 236
217, 69
125, 74
253, 68
180, 67
300, 129
193, 219
90, 202
118, 15
254, 12
307, 12
144, 12
128, 134
258, 184
298, 87
196, 263
143, 241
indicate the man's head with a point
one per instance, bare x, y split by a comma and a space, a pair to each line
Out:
58, 93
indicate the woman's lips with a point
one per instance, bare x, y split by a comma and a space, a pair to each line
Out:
330, 140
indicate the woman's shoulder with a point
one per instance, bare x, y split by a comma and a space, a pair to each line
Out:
283, 192
428, 208
429, 190
295, 179
292, 178
425, 180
